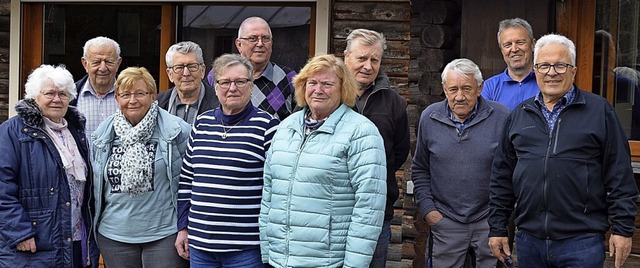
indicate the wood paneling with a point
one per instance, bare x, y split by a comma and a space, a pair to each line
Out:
31, 41
372, 11
576, 20
167, 38
479, 26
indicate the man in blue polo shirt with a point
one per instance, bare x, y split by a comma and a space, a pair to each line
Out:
518, 82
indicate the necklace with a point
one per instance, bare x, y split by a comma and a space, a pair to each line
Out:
224, 128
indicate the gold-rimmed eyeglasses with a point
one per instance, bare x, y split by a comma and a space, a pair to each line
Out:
52, 95
137, 95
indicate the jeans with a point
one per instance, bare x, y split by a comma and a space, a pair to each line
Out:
160, 253
238, 259
580, 251
380, 254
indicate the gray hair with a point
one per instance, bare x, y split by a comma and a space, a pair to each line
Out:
464, 67
100, 41
366, 37
183, 48
252, 20
58, 75
629, 73
557, 39
514, 23
228, 60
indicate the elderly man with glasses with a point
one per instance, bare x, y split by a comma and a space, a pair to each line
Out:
190, 96
563, 168
272, 85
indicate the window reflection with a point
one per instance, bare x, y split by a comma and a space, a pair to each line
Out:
135, 27
215, 29
616, 61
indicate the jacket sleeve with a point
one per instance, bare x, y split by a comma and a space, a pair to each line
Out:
501, 195
618, 178
265, 206
366, 165
402, 140
420, 170
186, 178
15, 225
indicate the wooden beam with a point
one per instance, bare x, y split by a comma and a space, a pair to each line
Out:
576, 21
167, 38
31, 41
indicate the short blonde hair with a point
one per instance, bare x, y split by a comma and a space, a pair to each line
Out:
348, 83
131, 75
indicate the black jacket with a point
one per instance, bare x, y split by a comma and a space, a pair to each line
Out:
569, 182
388, 111
209, 102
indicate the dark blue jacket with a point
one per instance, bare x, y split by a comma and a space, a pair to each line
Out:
574, 180
34, 192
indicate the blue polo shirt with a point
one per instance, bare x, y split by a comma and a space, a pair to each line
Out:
503, 89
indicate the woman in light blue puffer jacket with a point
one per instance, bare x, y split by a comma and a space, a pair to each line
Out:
324, 177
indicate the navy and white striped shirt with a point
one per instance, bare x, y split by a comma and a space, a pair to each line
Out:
221, 179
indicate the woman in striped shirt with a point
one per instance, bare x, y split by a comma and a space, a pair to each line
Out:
221, 180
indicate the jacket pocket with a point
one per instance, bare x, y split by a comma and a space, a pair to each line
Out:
42, 222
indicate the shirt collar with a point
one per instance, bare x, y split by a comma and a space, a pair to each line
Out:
468, 119
268, 71
566, 99
88, 89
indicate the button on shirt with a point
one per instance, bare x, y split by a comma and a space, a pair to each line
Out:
94, 108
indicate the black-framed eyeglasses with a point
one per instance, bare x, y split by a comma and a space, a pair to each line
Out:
193, 67
544, 68
137, 95
226, 84
52, 95
254, 39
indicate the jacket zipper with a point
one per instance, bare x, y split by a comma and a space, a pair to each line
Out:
305, 138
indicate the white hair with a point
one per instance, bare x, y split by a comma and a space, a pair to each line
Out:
58, 75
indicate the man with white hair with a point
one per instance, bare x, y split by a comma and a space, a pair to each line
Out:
563, 168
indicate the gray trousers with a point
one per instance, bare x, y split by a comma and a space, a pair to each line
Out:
160, 253
452, 239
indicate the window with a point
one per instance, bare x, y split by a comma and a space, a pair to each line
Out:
617, 60
215, 29
135, 27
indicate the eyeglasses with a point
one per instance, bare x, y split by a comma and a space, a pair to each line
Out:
254, 39
560, 68
52, 95
193, 67
137, 95
226, 84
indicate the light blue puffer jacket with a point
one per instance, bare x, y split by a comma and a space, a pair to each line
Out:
324, 198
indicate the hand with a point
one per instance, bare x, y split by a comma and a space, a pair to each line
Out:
621, 247
182, 244
500, 247
433, 217
27, 245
